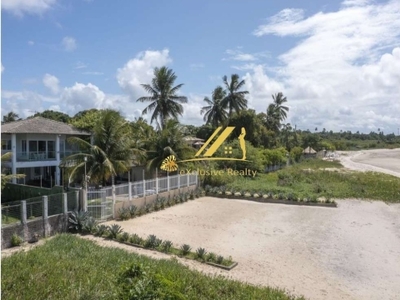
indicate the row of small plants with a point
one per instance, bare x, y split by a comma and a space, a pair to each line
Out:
223, 191
160, 203
82, 222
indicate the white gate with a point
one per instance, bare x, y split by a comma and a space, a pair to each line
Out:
99, 205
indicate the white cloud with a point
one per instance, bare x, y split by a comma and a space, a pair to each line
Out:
93, 73
21, 7
344, 70
191, 110
69, 43
80, 65
31, 43
139, 70
239, 55
52, 83
2, 68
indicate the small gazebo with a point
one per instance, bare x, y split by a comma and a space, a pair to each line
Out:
309, 152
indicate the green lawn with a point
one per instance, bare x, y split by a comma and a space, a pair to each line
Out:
68, 267
309, 178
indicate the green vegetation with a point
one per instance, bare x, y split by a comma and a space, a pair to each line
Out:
310, 179
16, 240
68, 267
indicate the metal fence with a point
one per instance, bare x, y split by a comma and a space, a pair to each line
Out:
34, 207
10, 214
99, 205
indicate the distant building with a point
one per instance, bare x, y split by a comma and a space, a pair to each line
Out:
309, 152
38, 145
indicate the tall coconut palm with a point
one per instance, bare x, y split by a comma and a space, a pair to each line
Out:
281, 110
10, 117
165, 103
272, 118
215, 114
235, 99
111, 152
168, 141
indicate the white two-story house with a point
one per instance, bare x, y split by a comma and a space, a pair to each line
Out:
38, 145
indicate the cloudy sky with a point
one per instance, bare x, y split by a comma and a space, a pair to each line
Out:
338, 62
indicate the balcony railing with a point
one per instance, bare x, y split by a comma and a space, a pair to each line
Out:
36, 156
41, 155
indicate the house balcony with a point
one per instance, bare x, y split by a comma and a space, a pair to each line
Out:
36, 156
42, 155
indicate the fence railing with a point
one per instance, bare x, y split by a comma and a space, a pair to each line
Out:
38, 207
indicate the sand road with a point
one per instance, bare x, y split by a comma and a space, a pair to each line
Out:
349, 252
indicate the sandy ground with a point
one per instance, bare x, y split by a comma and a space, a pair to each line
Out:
349, 252
380, 160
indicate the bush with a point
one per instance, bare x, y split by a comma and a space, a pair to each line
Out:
114, 230
16, 240
185, 249
77, 220
140, 282
201, 252
124, 214
166, 246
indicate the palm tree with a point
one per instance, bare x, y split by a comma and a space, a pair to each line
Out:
235, 99
168, 141
8, 177
281, 110
272, 118
112, 151
10, 117
165, 104
215, 114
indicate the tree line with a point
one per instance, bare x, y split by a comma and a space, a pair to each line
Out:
118, 143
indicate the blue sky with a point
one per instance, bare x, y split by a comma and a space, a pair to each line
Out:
338, 62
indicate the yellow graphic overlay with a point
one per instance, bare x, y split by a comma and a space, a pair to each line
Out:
169, 164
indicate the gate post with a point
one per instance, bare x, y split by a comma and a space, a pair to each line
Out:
130, 191
46, 226
113, 201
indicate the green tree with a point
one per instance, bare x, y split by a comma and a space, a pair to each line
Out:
111, 153
10, 117
86, 119
256, 133
53, 115
235, 99
281, 110
5, 177
165, 103
167, 141
215, 113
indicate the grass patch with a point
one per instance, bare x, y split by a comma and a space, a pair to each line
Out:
309, 179
67, 267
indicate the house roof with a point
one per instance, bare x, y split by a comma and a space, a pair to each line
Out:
41, 125
309, 150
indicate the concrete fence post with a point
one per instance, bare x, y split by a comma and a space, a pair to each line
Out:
65, 203
46, 225
65, 210
113, 202
130, 191
77, 206
23, 213
188, 179
179, 182
156, 182
24, 220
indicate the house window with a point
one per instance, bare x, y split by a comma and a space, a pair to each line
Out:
23, 146
5, 144
51, 151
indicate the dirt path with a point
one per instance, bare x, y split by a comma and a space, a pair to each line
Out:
351, 252
380, 160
